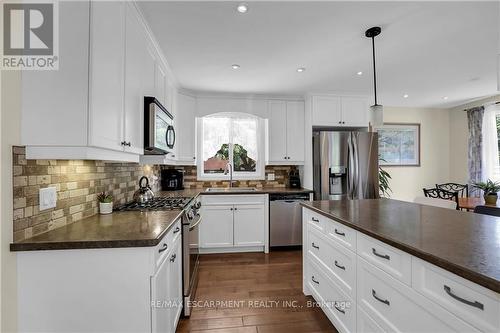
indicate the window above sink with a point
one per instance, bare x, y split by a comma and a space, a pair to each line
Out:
230, 138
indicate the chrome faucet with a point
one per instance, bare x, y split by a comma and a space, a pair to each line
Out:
229, 169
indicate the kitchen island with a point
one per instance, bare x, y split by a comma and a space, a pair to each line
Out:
388, 265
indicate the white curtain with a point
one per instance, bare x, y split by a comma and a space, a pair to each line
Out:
490, 160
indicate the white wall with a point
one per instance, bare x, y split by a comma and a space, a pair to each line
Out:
407, 182
10, 127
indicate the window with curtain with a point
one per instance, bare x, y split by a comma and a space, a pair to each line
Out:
491, 143
230, 138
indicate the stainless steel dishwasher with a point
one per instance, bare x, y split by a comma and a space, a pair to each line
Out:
285, 219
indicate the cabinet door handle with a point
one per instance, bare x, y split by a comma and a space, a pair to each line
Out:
337, 264
475, 304
315, 246
374, 294
165, 246
231, 208
339, 233
383, 256
172, 258
339, 309
314, 280
177, 230
314, 219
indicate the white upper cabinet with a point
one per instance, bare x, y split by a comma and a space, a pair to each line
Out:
55, 103
338, 111
185, 124
93, 106
286, 132
107, 77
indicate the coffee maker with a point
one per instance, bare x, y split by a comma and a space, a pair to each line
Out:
172, 180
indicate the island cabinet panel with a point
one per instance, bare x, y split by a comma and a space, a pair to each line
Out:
398, 308
386, 289
475, 304
391, 260
234, 223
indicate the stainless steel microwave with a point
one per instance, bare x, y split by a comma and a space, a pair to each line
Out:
159, 132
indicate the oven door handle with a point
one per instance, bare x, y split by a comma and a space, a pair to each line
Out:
191, 227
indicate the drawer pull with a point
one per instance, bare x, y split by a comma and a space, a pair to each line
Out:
383, 256
475, 304
374, 294
314, 280
339, 233
337, 264
315, 246
172, 258
177, 230
314, 219
165, 246
339, 309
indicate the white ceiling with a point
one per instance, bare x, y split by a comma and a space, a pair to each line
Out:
426, 50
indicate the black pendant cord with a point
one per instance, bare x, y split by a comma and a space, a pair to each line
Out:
374, 70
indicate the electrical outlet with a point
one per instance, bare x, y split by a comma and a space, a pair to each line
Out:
270, 176
48, 198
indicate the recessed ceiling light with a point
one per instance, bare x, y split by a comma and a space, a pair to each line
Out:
359, 73
242, 8
301, 69
235, 66
405, 96
445, 97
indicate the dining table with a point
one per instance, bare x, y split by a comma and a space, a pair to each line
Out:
469, 203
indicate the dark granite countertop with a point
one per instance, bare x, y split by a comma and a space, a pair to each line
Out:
463, 243
122, 229
119, 229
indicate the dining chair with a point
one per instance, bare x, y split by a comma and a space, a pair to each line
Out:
443, 203
461, 189
438, 193
487, 210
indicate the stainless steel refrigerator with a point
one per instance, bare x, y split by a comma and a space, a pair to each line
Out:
345, 165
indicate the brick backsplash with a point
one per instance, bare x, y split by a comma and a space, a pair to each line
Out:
280, 178
77, 183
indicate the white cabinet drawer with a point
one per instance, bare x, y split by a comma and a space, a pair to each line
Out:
339, 308
398, 308
338, 262
393, 261
167, 242
366, 324
314, 219
341, 234
238, 199
474, 304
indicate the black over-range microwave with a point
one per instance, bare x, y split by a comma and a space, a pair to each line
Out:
159, 132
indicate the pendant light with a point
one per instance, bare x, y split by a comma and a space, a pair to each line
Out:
376, 115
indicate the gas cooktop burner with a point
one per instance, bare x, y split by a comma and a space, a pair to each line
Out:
160, 203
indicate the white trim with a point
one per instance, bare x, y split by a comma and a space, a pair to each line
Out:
259, 174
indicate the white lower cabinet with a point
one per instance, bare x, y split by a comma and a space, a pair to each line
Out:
387, 290
234, 223
166, 291
133, 289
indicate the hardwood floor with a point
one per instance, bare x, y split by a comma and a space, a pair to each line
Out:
253, 293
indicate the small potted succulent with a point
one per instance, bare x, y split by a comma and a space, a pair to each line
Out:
490, 189
105, 203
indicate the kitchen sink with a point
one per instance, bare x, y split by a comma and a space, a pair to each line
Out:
231, 189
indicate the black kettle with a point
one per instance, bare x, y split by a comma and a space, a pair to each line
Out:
144, 193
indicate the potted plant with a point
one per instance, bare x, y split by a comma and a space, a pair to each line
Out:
105, 203
383, 179
490, 189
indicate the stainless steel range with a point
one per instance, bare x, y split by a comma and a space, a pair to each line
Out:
191, 220
157, 203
